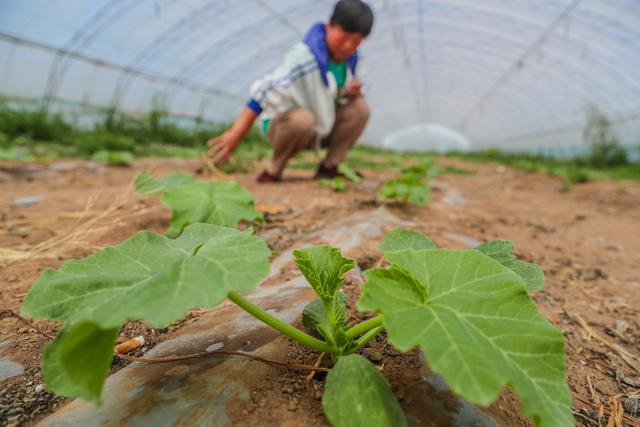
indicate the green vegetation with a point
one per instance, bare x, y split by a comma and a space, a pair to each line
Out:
605, 158
349, 173
40, 135
148, 277
337, 184
575, 171
605, 151
113, 158
467, 310
16, 153
27, 134
412, 186
191, 201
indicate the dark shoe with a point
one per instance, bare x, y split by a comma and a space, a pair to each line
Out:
265, 177
324, 172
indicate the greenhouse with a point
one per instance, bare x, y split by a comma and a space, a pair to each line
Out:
324, 213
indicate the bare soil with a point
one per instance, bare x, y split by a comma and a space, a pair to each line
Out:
587, 241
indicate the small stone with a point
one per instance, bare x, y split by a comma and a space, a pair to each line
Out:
6, 177
215, 346
16, 410
293, 405
633, 382
14, 420
317, 394
27, 201
23, 232
39, 388
262, 403
287, 390
621, 327
632, 406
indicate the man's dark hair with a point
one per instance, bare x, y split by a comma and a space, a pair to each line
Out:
354, 16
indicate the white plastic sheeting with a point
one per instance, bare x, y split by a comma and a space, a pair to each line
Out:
518, 74
426, 137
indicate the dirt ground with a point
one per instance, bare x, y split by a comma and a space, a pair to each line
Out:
587, 240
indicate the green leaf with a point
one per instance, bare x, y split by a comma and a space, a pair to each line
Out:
151, 277
15, 153
114, 158
324, 268
147, 185
477, 325
176, 180
407, 188
502, 251
76, 363
338, 183
222, 203
338, 311
314, 314
419, 170
341, 341
358, 395
148, 277
400, 239
349, 173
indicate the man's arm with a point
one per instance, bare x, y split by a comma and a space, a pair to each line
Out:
221, 147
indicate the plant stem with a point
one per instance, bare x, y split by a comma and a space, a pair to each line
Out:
364, 339
363, 327
290, 331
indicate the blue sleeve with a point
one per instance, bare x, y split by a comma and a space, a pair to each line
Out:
254, 105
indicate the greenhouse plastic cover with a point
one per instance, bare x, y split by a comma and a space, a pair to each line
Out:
517, 74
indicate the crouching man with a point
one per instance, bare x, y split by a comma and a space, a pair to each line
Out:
313, 99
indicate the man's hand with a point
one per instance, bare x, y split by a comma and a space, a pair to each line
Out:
221, 147
352, 90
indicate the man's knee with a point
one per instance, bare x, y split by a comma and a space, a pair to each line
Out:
302, 121
361, 109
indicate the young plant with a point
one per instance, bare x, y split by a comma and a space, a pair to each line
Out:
192, 201
411, 186
350, 174
15, 153
406, 189
469, 311
113, 158
337, 184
